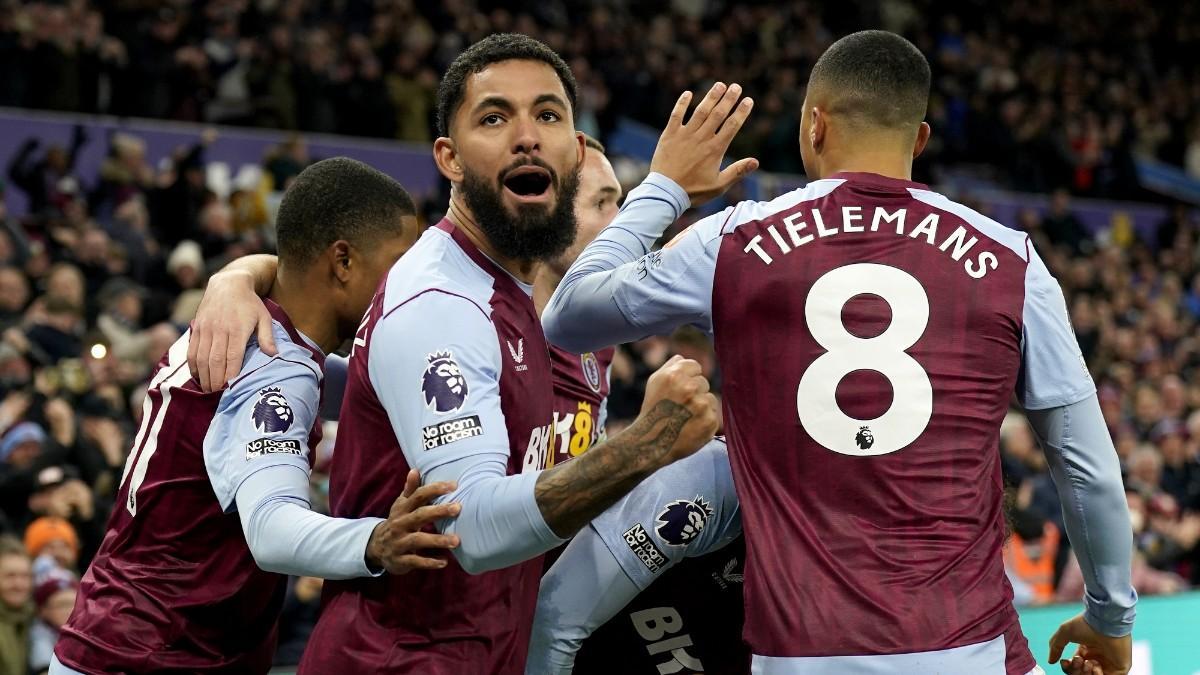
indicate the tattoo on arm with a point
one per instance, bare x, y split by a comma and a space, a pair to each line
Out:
570, 495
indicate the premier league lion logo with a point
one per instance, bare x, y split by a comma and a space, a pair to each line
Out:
443, 383
865, 439
682, 520
272, 413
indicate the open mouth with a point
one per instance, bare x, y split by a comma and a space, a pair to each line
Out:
528, 181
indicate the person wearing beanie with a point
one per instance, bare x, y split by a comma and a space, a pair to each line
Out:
53, 543
16, 606
54, 599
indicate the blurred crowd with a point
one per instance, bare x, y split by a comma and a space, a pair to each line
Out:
1046, 93
106, 270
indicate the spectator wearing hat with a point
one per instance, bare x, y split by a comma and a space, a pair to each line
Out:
53, 545
186, 267
59, 492
16, 606
54, 599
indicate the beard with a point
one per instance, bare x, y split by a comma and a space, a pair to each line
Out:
534, 232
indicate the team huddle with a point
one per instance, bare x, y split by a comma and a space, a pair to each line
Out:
870, 333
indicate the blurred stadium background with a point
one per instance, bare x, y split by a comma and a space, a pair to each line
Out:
146, 143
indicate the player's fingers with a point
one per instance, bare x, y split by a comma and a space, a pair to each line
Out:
702, 385
234, 352
680, 109
202, 352
737, 171
702, 111
422, 541
425, 515
688, 367
411, 482
1058, 642
266, 333
193, 348
427, 493
408, 563
735, 121
217, 357
721, 110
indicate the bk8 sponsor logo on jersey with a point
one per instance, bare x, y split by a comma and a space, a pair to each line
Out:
570, 434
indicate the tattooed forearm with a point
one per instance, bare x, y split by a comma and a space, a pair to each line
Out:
570, 495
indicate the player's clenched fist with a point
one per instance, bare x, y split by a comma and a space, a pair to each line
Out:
690, 154
679, 401
398, 545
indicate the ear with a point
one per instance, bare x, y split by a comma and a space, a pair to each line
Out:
340, 258
445, 155
581, 151
816, 133
923, 133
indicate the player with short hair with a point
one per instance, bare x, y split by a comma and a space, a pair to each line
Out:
213, 507
581, 381
870, 333
450, 374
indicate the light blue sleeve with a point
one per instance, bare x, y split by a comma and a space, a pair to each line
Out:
684, 510
618, 290
435, 365
1053, 371
1087, 474
264, 417
582, 590
286, 537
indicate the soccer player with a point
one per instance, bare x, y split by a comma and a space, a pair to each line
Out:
213, 507
871, 333
581, 381
679, 530
450, 374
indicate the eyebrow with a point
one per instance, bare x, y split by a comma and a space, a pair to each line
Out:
495, 102
550, 98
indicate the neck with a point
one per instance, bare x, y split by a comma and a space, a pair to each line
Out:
544, 285
880, 159
463, 219
307, 306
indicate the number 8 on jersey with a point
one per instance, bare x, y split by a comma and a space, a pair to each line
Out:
912, 393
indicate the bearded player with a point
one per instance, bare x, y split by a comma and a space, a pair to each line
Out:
213, 508
450, 374
873, 522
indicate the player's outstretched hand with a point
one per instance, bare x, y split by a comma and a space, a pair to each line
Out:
679, 394
690, 154
398, 545
1098, 654
229, 314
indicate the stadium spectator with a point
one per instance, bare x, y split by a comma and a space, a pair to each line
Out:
16, 606
54, 598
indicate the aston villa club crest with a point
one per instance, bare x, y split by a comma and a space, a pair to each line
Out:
272, 413
443, 384
591, 370
682, 520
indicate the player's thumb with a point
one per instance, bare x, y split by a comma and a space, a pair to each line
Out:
1058, 642
738, 170
266, 334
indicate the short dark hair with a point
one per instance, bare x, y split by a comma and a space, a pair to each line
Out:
338, 198
593, 144
494, 49
875, 76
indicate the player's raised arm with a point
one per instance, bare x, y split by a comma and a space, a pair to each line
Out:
609, 296
686, 510
440, 384
1060, 400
